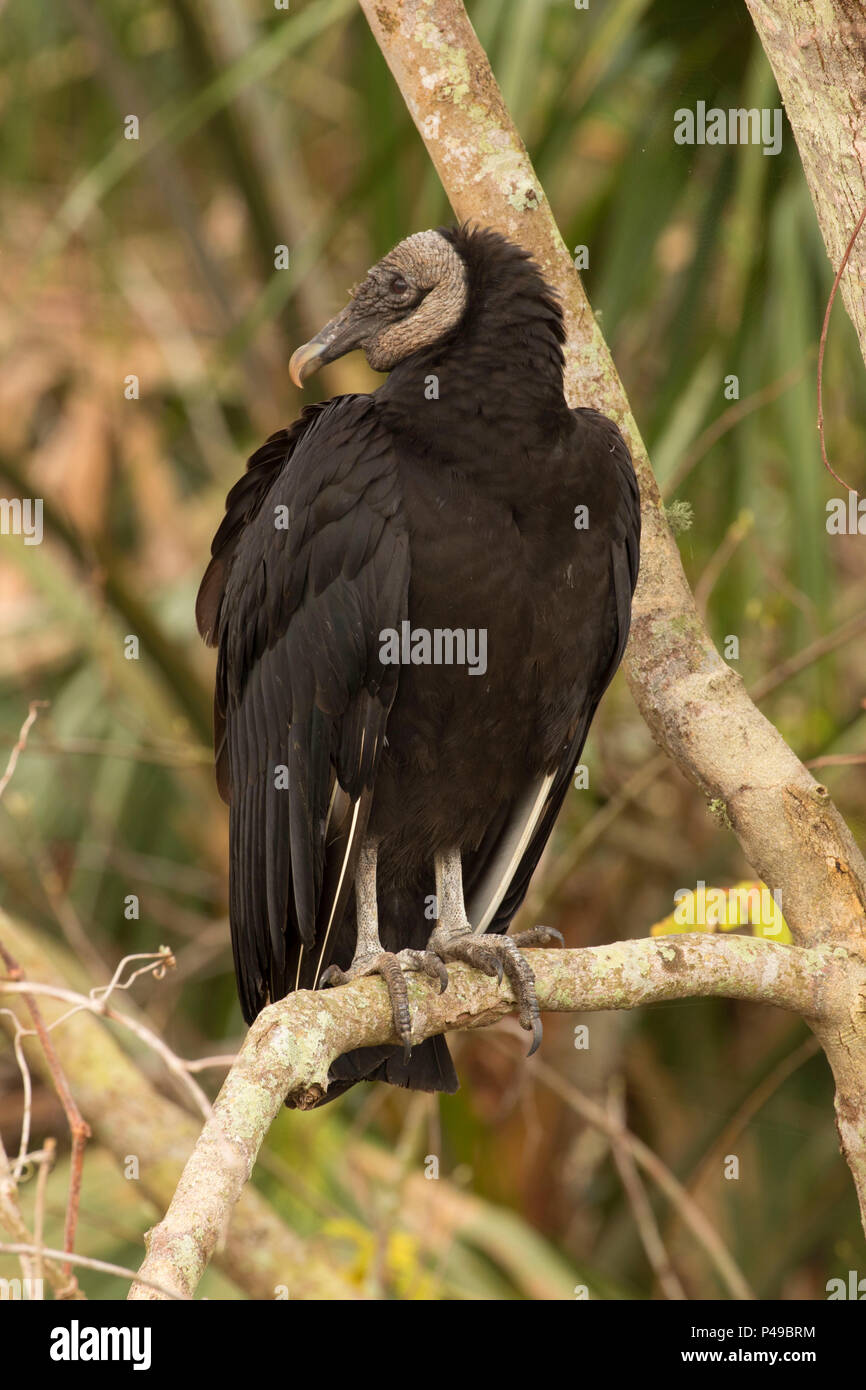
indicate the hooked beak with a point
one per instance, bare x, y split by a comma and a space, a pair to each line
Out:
343, 334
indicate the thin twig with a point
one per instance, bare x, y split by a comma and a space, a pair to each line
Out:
203, 1063
79, 1129
44, 1168
700, 1225
715, 567
10, 1208
837, 760
822, 646
758, 1098
179, 757
102, 1266
64, 1285
176, 1065
822, 345
21, 744
644, 1216
26, 1086
159, 962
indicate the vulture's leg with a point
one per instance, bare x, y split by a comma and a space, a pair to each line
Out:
371, 959
453, 939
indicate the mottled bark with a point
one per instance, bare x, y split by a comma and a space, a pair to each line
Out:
292, 1044
817, 49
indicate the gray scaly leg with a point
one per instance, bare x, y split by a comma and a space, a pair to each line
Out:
371, 959
453, 939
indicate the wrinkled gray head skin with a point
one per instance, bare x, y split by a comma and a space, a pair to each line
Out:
408, 300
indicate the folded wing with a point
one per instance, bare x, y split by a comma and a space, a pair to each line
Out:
497, 876
310, 564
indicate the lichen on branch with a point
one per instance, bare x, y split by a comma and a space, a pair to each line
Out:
292, 1043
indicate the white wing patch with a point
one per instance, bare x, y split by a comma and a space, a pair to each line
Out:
346, 857
485, 900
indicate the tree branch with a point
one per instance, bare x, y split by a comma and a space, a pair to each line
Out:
818, 57
292, 1044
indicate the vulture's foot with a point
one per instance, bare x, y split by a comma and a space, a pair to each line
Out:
498, 955
453, 939
391, 968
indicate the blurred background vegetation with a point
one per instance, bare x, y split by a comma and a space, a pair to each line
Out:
155, 258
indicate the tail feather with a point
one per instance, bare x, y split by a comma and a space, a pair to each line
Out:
429, 1068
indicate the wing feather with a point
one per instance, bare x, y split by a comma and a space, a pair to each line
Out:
296, 611
497, 876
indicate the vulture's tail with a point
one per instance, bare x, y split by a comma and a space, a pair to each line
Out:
429, 1067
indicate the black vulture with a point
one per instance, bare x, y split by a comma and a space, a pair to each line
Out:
419, 597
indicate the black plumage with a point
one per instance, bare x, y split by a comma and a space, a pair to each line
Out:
447, 499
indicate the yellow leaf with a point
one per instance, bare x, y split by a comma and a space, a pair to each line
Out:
749, 903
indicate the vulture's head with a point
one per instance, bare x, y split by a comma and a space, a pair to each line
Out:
409, 300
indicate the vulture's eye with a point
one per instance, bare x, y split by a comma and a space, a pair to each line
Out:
398, 286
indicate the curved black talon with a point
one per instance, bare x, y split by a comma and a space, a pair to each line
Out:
332, 976
497, 970
537, 1035
500, 955
433, 966
536, 936
387, 966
